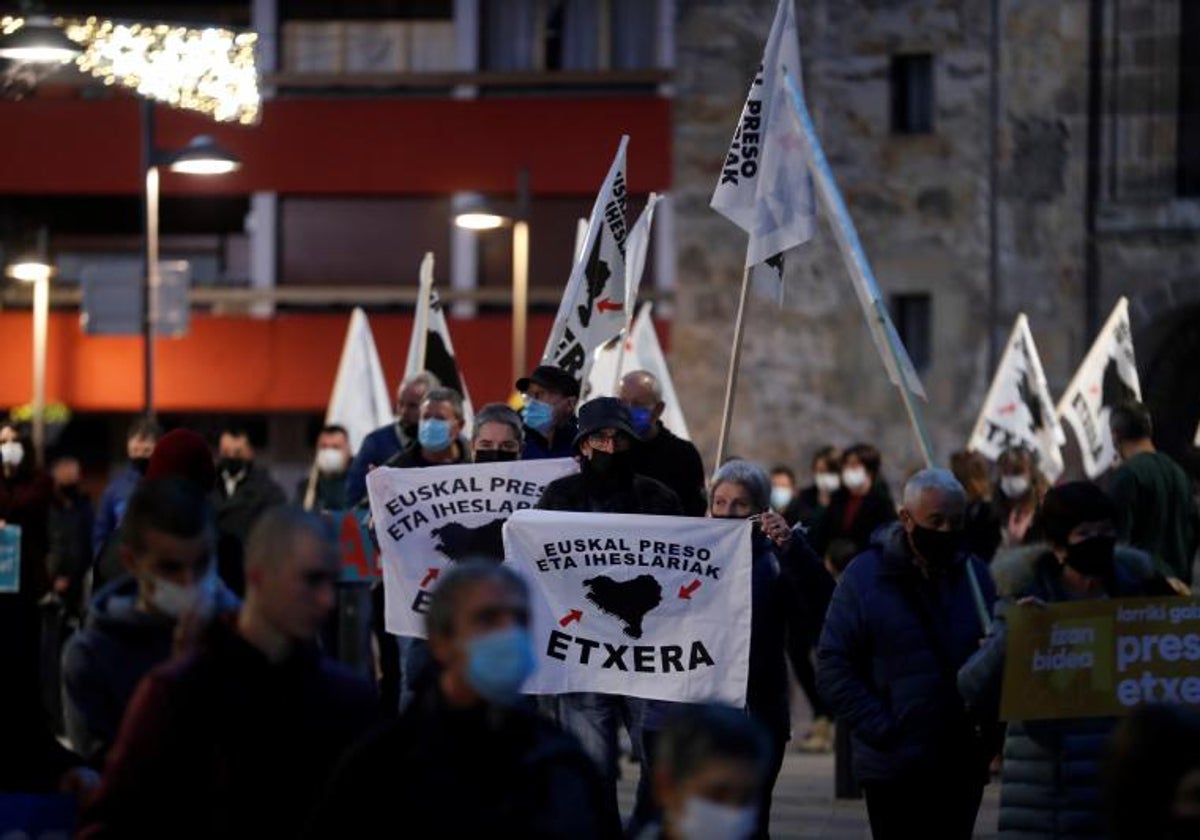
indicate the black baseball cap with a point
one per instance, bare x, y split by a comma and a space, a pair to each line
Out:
604, 413
552, 379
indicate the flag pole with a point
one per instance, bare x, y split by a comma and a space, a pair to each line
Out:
735, 360
310, 492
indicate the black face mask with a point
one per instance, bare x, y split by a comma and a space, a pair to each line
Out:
610, 466
1092, 557
492, 456
410, 430
232, 466
937, 548
140, 465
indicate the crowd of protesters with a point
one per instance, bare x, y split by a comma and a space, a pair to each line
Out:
188, 688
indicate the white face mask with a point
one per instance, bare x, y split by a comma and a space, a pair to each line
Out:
781, 497
1014, 486
855, 478
331, 460
705, 820
12, 453
828, 482
174, 599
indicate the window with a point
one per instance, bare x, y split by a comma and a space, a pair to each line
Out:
913, 316
568, 35
1188, 144
912, 93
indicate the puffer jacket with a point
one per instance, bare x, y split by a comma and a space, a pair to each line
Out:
890, 675
1050, 782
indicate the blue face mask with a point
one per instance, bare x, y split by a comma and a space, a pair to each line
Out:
498, 663
641, 418
434, 435
537, 414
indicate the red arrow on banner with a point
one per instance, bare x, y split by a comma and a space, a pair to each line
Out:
573, 615
430, 577
606, 305
1008, 409
685, 592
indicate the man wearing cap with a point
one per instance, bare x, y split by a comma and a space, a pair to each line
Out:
606, 483
550, 395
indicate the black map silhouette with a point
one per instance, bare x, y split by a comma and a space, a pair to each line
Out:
439, 361
459, 543
1113, 390
596, 275
626, 600
1027, 391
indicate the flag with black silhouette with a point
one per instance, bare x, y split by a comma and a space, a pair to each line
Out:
1107, 378
764, 187
430, 347
593, 306
1019, 410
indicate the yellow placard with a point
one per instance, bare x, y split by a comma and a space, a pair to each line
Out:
1100, 658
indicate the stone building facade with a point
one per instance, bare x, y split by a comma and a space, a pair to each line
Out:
1085, 124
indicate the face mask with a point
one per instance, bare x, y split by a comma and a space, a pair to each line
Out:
538, 415
1014, 486
1092, 557
855, 478
434, 435
232, 466
611, 465
828, 482
493, 456
498, 664
140, 465
781, 497
12, 453
705, 820
174, 599
409, 430
642, 418
937, 548
330, 460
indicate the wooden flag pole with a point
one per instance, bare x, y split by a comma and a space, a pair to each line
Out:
310, 492
735, 359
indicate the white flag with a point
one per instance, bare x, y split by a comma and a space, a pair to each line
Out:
593, 306
360, 400
764, 187
642, 352
645, 606
430, 347
1107, 378
1019, 410
427, 519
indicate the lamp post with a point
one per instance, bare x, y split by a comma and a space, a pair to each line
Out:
482, 218
36, 269
202, 156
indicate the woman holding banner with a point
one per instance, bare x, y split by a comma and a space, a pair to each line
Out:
1050, 781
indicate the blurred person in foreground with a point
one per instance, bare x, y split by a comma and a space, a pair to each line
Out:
1152, 775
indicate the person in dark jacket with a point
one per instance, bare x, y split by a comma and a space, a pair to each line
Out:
468, 758
550, 395
167, 552
808, 506
981, 529
608, 483
143, 434
658, 453
902, 621
244, 492
861, 506
1051, 775
740, 490
70, 533
383, 444
238, 738
331, 462
1155, 508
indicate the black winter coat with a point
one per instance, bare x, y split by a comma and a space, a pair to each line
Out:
585, 493
676, 463
875, 510
252, 497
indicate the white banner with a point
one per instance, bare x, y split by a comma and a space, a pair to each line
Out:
593, 305
1019, 410
1107, 378
646, 606
430, 517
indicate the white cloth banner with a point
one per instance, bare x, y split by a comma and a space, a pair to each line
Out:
593, 305
360, 400
646, 606
427, 518
1019, 410
1107, 378
764, 187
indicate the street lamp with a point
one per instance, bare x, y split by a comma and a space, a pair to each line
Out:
480, 216
202, 156
39, 41
37, 270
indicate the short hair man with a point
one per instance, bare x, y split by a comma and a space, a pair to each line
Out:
167, 550
386, 442
439, 433
1156, 511
467, 757
904, 612
550, 396
237, 738
662, 455
498, 435
140, 439
332, 460
244, 492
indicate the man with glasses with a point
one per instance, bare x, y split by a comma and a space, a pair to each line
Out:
550, 395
